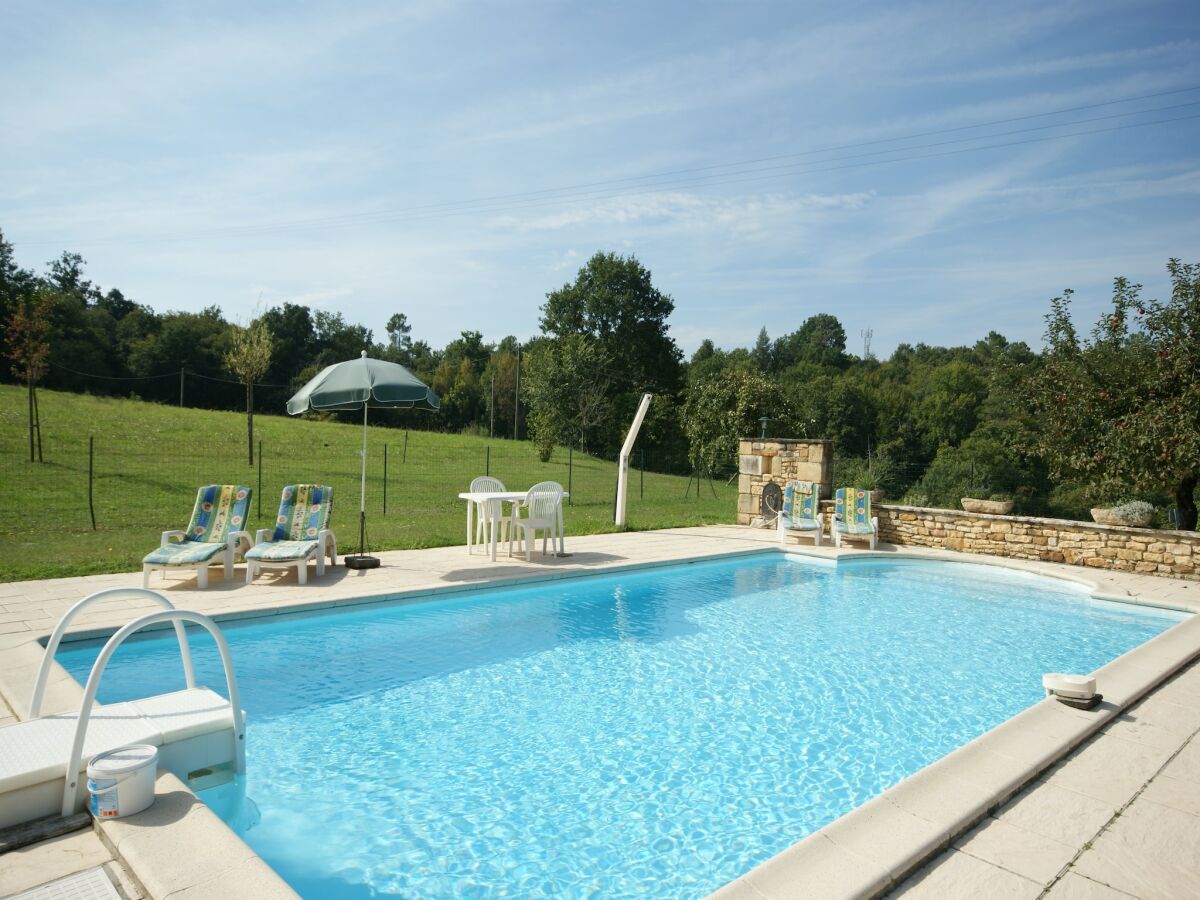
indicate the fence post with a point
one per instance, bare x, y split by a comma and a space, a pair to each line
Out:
91, 477
181, 385
487, 464
404, 458
385, 479
260, 480
570, 472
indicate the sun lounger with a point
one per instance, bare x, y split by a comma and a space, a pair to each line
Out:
299, 534
214, 535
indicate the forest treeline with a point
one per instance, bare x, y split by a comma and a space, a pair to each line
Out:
1056, 429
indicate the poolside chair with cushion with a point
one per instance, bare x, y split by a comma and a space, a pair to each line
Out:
490, 513
852, 516
801, 510
299, 533
543, 508
214, 535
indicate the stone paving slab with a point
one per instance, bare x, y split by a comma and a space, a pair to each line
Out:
32, 866
1119, 817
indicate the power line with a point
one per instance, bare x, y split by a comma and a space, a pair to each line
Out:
189, 374
777, 172
805, 169
609, 188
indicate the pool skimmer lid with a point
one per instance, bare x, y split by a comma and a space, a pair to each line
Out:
1078, 691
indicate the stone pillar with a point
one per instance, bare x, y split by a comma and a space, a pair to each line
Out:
779, 460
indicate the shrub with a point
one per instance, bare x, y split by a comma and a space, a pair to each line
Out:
1134, 510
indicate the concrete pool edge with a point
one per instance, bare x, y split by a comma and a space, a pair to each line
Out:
898, 839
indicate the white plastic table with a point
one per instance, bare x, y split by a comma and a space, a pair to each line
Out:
475, 497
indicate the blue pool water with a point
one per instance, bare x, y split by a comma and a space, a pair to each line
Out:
653, 733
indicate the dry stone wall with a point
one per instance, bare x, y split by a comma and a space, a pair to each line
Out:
1171, 553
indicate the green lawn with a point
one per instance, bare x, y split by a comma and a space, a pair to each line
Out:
149, 460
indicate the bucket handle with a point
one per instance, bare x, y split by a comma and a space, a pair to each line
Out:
112, 787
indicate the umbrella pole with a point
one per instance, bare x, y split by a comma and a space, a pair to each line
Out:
362, 492
362, 561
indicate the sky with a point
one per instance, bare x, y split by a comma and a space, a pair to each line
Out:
928, 171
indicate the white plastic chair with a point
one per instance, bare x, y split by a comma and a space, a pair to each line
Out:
490, 513
543, 502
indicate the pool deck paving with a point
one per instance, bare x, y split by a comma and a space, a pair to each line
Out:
1056, 802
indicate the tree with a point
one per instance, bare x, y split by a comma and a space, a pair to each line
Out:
196, 342
1121, 409
728, 405
614, 304
399, 345
249, 358
836, 409
762, 351
821, 341
27, 335
566, 385
291, 326
948, 402
337, 340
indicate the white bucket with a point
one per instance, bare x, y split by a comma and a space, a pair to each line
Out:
122, 781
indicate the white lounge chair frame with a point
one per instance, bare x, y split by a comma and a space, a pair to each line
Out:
326, 546
839, 535
785, 529
236, 544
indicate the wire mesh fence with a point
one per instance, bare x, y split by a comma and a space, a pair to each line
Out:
100, 502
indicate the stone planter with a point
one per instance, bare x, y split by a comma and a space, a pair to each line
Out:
1109, 517
990, 507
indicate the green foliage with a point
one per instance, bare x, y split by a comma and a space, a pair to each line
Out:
1121, 408
837, 408
614, 306
980, 467
761, 353
728, 405
614, 302
1112, 414
568, 389
877, 473
1134, 510
820, 341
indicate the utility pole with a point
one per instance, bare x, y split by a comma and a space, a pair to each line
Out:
517, 399
181, 385
492, 409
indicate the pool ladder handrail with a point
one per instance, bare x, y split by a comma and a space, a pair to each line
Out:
43, 675
178, 616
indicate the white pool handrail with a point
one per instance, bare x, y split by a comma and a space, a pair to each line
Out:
178, 616
43, 675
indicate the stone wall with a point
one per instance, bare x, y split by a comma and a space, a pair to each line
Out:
1171, 553
779, 460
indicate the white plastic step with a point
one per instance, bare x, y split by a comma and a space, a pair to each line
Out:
193, 727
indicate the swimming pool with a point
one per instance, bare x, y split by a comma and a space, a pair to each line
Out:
654, 732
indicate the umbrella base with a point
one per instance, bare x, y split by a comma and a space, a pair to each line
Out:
361, 562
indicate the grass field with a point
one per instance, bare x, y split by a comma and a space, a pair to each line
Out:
149, 459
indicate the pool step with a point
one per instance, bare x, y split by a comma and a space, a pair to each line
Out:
193, 729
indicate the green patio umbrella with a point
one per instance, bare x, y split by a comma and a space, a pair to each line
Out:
363, 383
